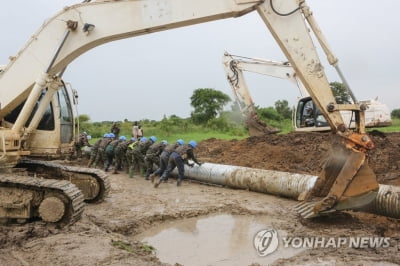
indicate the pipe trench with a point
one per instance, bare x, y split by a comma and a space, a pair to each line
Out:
284, 184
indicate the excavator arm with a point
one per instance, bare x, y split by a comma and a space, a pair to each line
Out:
35, 71
234, 67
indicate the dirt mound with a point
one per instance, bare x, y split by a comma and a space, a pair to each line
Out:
300, 153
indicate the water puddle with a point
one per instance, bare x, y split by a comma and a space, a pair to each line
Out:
213, 240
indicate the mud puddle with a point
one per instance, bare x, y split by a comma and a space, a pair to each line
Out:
213, 240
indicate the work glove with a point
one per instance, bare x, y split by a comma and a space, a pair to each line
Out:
199, 164
191, 165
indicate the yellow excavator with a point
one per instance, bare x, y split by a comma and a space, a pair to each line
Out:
306, 116
31, 85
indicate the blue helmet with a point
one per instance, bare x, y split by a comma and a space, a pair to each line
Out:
180, 142
111, 135
164, 142
193, 143
105, 135
122, 138
133, 139
143, 139
153, 139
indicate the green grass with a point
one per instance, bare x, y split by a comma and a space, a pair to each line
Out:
123, 245
395, 127
197, 136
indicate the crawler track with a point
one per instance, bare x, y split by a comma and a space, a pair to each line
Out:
58, 171
71, 196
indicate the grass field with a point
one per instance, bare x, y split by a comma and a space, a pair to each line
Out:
197, 136
202, 134
395, 127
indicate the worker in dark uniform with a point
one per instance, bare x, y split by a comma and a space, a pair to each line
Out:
120, 154
115, 130
139, 151
153, 156
110, 152
164, 156
93, 152
179, 158
129, 155
101, 155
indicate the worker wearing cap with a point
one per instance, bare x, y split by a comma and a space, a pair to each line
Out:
101, 156
179, 158
120, 154
164, 156
110, 152
153, 156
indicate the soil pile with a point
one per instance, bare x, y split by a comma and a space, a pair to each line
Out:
301, 153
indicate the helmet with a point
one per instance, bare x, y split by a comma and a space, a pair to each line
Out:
122, 138
153, 139
105, 135
111, 135
193, 143
133, 139
89, 137
84, 133
164, 142
143, 139
180, 141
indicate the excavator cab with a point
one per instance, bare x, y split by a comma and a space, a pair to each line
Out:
54, 135
308, 116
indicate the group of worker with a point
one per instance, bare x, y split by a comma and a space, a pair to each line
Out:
141, 155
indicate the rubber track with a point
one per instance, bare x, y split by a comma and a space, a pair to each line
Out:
75, 205
101, 176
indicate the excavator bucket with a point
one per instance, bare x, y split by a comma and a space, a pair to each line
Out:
257, 127
346, 182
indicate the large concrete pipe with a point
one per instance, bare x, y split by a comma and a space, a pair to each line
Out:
284, 184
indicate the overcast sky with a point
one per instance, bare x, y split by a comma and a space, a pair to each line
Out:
155, 75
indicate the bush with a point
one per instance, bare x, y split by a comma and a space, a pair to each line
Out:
395, 113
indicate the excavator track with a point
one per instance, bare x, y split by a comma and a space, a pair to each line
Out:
94, 184
41, 192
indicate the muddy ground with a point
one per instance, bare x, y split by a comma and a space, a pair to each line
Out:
106, 234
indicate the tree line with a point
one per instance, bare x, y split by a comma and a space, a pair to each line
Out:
209, 112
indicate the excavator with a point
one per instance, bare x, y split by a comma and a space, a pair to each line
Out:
306, 116
32, 81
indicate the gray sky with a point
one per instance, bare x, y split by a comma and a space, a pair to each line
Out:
155, 74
